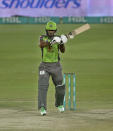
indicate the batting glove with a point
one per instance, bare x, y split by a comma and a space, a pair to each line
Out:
56, 39
63, 39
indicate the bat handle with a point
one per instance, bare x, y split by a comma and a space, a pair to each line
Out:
71, 35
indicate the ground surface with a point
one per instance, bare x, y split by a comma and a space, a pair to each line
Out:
89, 55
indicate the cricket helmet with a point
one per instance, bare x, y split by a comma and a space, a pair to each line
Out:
51, 26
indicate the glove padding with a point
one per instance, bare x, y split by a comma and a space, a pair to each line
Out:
63, 39
56, 39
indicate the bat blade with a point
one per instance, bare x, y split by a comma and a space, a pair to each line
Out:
78, 31
81, 29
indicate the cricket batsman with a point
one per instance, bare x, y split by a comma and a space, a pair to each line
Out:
51, 45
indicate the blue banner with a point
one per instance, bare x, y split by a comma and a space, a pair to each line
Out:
56, 8
37, 8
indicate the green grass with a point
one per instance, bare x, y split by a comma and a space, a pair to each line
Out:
89, 55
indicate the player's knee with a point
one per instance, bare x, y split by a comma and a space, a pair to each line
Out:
43, 87
43, 83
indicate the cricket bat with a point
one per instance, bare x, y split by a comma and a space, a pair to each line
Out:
78, 31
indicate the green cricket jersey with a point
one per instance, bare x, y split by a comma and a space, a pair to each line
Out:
50, 54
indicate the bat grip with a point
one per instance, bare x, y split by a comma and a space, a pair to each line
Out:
70, 33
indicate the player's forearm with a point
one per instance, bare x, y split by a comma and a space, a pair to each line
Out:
43, 44
62, 48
